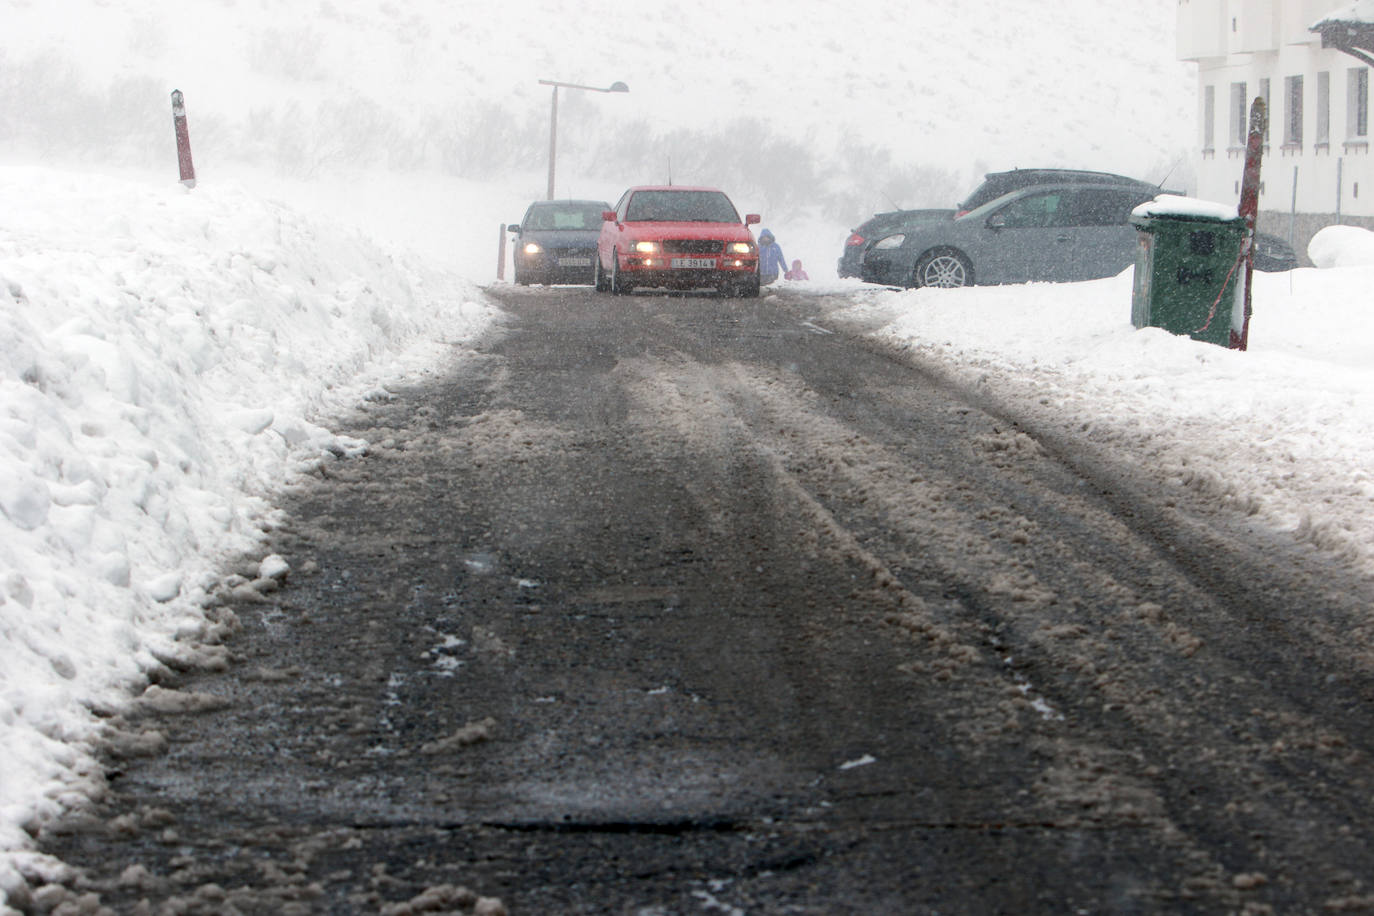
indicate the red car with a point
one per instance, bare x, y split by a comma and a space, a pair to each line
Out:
679, 238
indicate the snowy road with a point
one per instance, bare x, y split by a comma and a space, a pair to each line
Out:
667, 605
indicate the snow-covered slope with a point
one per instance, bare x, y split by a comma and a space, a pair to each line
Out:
801, 109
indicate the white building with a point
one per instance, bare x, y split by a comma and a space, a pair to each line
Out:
1310, 61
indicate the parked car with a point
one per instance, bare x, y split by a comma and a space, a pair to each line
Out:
679, 238
1057, 232
555, 242
1271, 252
993, 186
880, 226
996, 184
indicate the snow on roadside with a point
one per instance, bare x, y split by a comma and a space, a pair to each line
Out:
165, 360
1342, 246
1284, 431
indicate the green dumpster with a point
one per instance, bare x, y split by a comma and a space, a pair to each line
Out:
1189, 273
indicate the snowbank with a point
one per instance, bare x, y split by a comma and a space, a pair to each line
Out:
1342, 246
165, 361
1282, 431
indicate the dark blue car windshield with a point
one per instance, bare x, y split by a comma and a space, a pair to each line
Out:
545, 218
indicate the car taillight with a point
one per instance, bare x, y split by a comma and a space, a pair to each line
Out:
959, 213
854, 239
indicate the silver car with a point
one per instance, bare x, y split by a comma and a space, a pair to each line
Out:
1044, 232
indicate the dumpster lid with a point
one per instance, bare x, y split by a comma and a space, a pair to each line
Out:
1176, 206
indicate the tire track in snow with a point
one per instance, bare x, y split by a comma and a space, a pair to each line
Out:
1109, 641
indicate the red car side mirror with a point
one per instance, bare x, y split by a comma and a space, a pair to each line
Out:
752, 218
608, 216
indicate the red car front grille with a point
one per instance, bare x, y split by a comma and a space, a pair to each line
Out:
693, 246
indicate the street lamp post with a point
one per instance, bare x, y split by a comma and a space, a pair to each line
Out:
553, 116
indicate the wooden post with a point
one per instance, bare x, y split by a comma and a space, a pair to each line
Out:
553, 138
1249, 210
1293, 208
501, 254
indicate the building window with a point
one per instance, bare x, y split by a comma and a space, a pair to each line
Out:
1268, 107
1239, 119
1357, 104
1209, 113
1292, 113
1323, 139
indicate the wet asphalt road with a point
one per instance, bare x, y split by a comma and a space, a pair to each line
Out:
667, 605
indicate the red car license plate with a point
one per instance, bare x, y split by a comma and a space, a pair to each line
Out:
707, 263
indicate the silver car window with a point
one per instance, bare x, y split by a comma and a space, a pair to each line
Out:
1035, 211
1101, 206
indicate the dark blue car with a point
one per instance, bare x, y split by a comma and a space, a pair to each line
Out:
556, 241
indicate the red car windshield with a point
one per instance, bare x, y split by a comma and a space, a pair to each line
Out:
681, 207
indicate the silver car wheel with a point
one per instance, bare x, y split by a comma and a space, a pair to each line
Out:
944, 269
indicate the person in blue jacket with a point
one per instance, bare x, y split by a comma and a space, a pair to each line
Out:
771, 261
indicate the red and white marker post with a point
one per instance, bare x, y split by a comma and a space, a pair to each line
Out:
188, 171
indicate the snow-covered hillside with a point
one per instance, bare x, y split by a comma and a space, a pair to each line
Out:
804, 111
